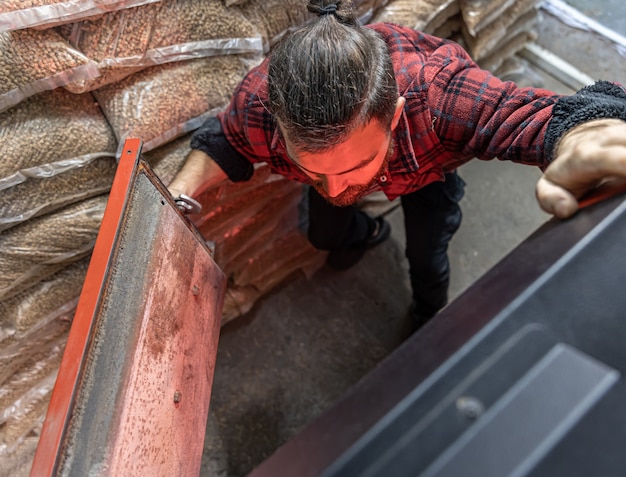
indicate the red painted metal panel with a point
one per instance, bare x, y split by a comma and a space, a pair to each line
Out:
134, 385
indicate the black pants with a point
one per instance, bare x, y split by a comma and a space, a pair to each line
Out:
431, 217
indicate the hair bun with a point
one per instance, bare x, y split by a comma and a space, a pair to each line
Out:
341, 9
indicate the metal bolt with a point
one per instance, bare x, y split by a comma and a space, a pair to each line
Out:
470, 407
177, 397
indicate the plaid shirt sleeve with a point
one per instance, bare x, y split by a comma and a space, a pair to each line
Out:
474, 114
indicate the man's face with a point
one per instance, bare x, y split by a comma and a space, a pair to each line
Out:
346, 172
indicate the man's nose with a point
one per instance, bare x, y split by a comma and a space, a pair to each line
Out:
334, 185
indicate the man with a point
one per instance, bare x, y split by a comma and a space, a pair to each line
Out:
349, 110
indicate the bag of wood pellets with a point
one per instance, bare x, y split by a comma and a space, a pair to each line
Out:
477, 14
35, 61
167, 160
164, 102
51, 133
19, 462
40, 195
277, 260
235, 252
30, 357
171, 30
22, 315
28, 370
450, 28
299, 257
367, 8
520, 17
422, 15
28, 416
39, 247
57, 149
257, 214
19, 14
275, 17
220, 216
508, 47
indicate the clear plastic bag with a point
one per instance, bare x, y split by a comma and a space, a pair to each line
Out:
35, 61
275, 17
477, 14
39, 194
28, 417
172, 30
28, 373
19, 14
238, 301
72, 160
18, 463
422, 15
51, 133
37, 248
22, 315
168, 159
507, 48
521, 16
450, 28
164, 102
367, 8
234, 247
222, 216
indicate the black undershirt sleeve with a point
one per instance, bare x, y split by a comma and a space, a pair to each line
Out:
210, 138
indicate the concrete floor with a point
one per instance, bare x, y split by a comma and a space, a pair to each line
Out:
302, 346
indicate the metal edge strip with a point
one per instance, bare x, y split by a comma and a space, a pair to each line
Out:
46, 458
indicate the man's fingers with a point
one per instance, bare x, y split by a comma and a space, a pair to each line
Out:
555, 199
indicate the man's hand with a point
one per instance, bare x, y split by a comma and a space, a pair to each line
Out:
590, 155
198, 173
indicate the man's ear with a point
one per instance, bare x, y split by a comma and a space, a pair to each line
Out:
398, 112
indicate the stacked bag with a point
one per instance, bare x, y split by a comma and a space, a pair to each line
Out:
81, 76
492, 31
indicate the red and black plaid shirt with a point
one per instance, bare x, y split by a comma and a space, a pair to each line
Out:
454, 112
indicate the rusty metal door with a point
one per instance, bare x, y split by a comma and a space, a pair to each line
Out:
132, 393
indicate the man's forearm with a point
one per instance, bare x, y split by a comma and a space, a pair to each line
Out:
199, 173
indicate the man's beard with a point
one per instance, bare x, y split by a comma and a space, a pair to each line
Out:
348, 197
354, 193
